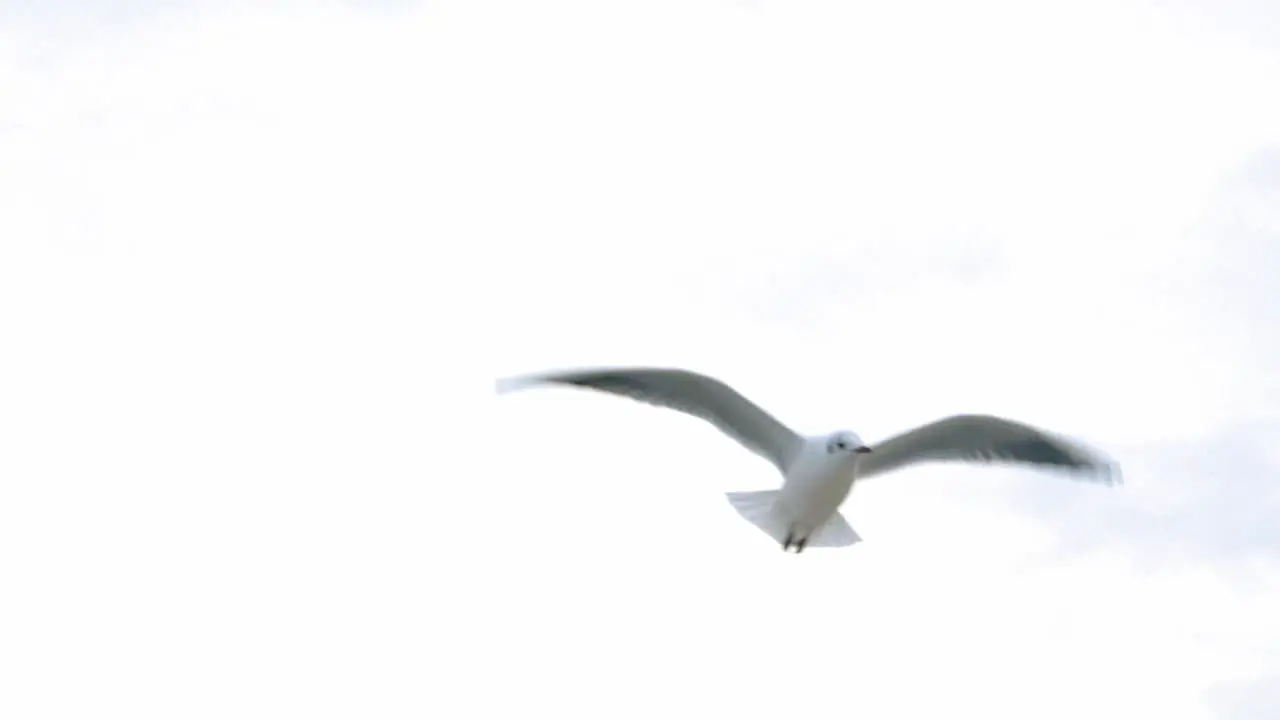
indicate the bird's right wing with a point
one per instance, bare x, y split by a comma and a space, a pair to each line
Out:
692, 393
987, 439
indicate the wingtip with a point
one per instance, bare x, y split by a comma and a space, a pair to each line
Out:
504, 385
1115, 478
1107, 472
512, 383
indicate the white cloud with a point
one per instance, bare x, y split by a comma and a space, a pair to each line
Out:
261, 264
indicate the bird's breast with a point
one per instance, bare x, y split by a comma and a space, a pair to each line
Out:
815, 489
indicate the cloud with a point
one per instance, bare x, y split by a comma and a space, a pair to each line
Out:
1208, 499
1257, 698
1209, 502
261, 264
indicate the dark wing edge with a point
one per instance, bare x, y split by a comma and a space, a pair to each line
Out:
993, 440
689, 392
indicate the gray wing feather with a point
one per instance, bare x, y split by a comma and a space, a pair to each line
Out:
987, 439
688, 392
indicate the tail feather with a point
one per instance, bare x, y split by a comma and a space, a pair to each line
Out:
760, 509
835, 532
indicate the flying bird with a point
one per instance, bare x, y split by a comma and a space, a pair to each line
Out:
818, 472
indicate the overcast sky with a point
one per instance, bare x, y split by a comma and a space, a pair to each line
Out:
260, 264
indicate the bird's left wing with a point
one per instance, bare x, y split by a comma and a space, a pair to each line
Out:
987, 439
692, 393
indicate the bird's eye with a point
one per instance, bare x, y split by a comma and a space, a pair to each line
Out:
840, 445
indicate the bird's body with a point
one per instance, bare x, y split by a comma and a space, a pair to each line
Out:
818, 472
815, 486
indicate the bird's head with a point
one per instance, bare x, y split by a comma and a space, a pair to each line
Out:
845, 441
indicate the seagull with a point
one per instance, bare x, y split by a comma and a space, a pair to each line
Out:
818, 472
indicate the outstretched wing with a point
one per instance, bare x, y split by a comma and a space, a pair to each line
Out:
987, 439
697, 395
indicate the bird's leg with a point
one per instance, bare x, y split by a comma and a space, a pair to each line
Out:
800, 545
786, 544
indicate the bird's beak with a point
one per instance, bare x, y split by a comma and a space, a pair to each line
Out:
862, 450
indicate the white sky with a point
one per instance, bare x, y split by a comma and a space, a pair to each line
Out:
260, 264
